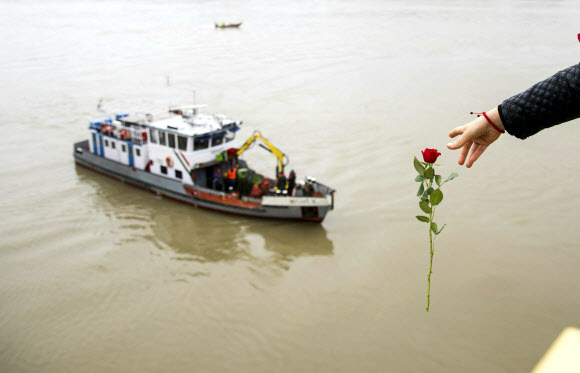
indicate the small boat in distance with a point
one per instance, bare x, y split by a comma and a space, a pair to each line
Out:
189, 157
226, 25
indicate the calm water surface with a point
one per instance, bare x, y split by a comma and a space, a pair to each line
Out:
97, 276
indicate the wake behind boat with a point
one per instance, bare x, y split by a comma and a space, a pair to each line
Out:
189, 156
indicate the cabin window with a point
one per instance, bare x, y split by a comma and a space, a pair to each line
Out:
123, 148
162, 138
200, 143
218, 139
137, 152
164, 170
230, 136
182, 142
113, 144
178, 174
171, 140
153, 135
106, 143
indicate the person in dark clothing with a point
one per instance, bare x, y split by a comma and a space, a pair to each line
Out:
548, 103
281, 183
291, 182
218, 180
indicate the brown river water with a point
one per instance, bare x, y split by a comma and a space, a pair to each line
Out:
96, 276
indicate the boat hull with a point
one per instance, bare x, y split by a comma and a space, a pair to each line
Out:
191, 194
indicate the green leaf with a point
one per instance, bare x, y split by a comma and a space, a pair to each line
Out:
421, 189
424, 219
434, 227
424, 205
424, 199
429, 191
441, 229
419, 178
419, 167
438, 179
452, 176
436, 197
429, 173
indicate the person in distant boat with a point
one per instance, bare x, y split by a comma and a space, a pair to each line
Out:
291, 182
548, 103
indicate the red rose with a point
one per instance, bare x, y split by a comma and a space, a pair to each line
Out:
430, 155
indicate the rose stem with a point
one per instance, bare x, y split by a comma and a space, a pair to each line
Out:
430, 249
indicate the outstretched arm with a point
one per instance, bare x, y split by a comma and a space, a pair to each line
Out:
547, 103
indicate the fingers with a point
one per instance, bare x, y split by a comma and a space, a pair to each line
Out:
457, 131
464, 139
464, 152
476, 152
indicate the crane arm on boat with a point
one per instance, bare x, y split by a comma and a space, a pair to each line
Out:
282, 158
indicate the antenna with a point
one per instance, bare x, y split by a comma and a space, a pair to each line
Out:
168, 84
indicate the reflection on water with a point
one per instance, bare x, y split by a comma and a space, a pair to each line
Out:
203, 236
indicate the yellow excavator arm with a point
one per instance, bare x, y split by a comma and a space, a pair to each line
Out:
282, 158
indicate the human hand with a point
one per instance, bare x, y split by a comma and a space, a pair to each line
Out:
476, 135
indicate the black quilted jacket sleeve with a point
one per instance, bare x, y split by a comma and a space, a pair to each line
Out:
546, 104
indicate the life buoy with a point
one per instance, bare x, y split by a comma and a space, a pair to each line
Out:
169, 161
149, 117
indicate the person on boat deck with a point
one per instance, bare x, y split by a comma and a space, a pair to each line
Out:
232, 174
291, 182
244, 186
217, 180
281, 184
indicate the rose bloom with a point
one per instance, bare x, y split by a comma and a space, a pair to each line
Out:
430, 155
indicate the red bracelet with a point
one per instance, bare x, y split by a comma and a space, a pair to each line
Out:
489, 121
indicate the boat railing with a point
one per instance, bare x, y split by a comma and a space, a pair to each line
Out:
131, 134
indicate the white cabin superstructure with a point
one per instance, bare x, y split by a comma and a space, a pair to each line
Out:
170, 146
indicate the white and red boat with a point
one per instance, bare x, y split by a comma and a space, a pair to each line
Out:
190, 157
